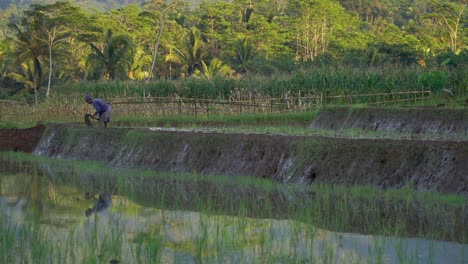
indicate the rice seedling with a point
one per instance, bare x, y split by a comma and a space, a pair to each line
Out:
244, 224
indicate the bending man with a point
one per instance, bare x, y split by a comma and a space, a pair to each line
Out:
102, 109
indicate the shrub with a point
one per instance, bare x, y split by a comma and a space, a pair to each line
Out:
434, 80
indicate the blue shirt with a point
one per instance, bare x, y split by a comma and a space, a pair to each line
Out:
100, 106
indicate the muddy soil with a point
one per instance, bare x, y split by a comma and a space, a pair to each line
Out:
15, 139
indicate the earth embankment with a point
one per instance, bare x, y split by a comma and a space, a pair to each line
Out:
437, 121
422, 164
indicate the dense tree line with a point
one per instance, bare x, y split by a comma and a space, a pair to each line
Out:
87, 4
48, 44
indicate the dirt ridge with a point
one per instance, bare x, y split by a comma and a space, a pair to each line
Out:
440, 121
426, 165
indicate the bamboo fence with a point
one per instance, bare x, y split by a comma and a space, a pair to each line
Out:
162, 106
194, 106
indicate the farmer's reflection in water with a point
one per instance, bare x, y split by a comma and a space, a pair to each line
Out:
102, 203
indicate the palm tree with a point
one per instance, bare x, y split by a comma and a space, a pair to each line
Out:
140, 65
29, 47
215, 68
24, 74
55, 22
245, 54
5, 59
159, 12
190, 57
114, 58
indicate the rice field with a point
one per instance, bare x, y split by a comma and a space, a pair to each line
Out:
62, 211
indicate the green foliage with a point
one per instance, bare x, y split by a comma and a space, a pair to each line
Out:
245, 55
313, 80
178, 40
114, 60
216, 68
29, 49
215, 88
453, 59
191, 54
109, 89
434, 80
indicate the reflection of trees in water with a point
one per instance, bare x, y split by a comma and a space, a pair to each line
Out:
333, 209
35, 190
24, 179
34, 193
41, 193
51, 194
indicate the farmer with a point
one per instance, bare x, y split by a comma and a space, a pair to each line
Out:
101, 204
104, 110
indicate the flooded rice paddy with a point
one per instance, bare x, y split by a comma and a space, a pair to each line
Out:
54, 211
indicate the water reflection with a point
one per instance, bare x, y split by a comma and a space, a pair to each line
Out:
102, 203
129, 231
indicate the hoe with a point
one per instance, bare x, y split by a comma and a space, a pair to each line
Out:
87, 119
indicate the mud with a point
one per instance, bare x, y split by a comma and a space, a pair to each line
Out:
15, 139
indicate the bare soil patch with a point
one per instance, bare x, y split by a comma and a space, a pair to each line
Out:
15, 139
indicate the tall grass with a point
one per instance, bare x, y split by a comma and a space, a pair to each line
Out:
67, 104
332, 80
108, 89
